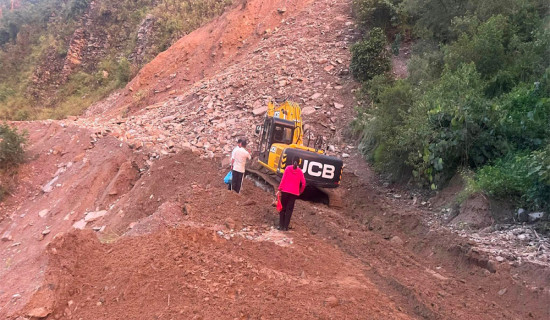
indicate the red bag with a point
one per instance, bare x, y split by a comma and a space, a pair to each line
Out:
279, 204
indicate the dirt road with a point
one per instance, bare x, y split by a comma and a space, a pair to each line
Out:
179, 245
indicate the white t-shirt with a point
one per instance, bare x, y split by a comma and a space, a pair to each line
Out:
239, 156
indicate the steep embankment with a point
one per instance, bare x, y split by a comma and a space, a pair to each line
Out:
174, 243
206, 51
70, 173
304, 57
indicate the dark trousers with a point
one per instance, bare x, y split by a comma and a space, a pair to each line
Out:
237, 181
287, 200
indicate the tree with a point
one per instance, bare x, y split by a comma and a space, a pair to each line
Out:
370, 57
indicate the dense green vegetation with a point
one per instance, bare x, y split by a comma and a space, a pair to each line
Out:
35, 39
12, 153
370, 57
11, 146
477, 95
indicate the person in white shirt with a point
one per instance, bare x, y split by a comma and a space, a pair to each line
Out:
231, 159
239, 156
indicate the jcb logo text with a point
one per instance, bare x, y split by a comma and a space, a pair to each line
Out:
317, 169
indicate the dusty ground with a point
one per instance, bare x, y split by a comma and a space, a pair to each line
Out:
179, 245
164, 239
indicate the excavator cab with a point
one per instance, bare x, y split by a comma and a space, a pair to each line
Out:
274, 131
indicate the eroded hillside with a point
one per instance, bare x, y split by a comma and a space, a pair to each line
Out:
57, 57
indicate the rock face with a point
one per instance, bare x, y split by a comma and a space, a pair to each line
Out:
74, 55
80, 224
143, 39
475, 213
189, 106
332, 302
99, 33
93, 216
38, 313
87, 46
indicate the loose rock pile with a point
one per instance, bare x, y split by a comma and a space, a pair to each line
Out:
309, 67
512, 243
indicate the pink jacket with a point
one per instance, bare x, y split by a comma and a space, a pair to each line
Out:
293, 181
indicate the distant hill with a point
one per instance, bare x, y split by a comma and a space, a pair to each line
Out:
59, 56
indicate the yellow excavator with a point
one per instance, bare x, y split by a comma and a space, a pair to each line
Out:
281, 140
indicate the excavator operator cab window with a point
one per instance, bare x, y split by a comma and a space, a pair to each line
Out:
282, 134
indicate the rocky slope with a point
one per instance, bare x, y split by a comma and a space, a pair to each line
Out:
190, 102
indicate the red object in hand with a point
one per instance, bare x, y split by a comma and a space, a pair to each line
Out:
279, 204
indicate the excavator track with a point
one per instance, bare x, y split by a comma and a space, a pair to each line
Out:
266, 178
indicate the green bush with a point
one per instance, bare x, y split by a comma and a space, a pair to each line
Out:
453, 124
487, 47
178, 18
11, 146
123, 72
376, 13
5, 92
74, 8
433, 18
524, 117
118, 72
523, 177
477, 98
370, 57
376, 86
432, 134
377, 141
426, 65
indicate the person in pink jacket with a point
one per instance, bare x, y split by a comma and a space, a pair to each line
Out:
292, 185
